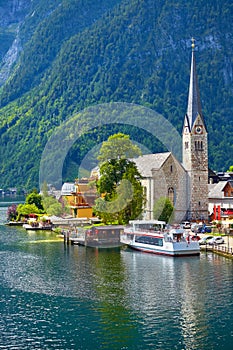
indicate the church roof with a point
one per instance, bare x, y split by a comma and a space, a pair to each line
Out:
147, 162
194, 102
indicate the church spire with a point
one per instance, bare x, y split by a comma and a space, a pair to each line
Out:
195, 151
194, 103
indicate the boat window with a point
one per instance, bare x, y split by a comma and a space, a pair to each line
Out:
148, 227
149, 240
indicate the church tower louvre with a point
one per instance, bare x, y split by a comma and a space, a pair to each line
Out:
195, 150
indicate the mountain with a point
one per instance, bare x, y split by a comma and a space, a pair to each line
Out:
59, 57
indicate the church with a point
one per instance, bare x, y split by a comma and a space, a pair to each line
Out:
186, 183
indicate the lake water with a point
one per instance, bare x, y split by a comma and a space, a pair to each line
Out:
59, 297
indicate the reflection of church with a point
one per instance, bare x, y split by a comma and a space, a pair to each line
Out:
185, 184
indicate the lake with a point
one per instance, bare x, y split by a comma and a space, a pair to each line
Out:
72, 297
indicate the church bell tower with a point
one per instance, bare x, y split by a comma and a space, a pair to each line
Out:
195, 151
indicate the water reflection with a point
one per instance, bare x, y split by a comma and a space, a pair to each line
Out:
70, 297
172, 297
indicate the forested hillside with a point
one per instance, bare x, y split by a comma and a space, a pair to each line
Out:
74, 54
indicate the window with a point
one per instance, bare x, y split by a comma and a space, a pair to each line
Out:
198, 145
171, 194
149, 240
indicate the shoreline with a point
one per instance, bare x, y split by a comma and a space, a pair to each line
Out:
225, 249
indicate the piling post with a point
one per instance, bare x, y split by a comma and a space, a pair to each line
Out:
66, 237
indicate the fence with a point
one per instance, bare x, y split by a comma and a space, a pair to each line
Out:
223, 249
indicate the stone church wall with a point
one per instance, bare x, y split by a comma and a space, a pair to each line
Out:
171, 177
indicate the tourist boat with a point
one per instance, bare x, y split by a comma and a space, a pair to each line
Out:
153, 237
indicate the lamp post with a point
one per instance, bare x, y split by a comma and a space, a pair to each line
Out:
228, 240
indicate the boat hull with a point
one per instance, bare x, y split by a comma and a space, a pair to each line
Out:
37, 228
95, 244
183, 248
176, 253
15, 223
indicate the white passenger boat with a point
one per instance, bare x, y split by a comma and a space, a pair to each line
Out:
152, 237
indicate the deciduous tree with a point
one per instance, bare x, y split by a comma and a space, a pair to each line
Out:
163, 210
119, 185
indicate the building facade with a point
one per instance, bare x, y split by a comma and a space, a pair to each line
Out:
163, 176
80, 198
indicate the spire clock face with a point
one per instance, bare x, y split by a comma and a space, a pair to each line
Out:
199, 129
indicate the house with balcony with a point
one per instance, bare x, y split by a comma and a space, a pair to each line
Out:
80, 197
221, 201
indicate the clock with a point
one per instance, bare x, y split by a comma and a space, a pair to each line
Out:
198, 129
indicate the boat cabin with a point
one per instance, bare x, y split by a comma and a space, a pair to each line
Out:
147, 225
104, 236
175, 235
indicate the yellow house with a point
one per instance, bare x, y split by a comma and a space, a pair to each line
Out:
80, 197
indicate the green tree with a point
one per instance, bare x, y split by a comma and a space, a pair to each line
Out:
34, 198
26, 209
55, 209
51, 205
119, 186
118, 146
163, 210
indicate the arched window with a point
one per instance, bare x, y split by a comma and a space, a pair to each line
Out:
171, 196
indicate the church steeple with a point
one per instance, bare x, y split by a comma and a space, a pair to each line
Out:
194, 103
195, 150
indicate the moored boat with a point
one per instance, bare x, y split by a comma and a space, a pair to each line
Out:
99, 236
15, 223
38, 226
152, 237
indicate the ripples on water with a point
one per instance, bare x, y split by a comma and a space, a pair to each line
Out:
56, 297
